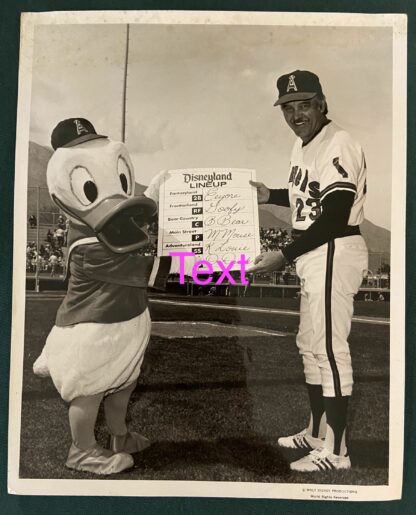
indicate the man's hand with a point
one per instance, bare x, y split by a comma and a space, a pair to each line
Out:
268, 262
263, 192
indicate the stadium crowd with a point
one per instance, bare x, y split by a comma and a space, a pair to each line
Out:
273, 239
51, 251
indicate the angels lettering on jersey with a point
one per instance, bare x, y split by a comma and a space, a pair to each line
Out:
332, 161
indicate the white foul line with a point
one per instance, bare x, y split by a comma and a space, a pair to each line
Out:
198, 324
360, 319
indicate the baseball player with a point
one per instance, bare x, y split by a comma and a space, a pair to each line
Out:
326, 193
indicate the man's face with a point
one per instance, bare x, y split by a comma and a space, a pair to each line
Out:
304, 117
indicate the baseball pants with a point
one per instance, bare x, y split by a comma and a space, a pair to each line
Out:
330, 276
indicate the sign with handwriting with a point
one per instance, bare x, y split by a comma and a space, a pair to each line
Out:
211, 212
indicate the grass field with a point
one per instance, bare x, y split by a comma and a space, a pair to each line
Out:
214, 405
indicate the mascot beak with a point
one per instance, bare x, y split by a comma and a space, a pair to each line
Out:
121, 224
118, 222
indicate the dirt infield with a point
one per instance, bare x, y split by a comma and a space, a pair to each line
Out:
187, 329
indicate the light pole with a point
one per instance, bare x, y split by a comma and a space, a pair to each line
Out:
124, 103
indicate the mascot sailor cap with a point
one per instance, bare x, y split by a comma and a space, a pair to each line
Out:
298, 85
73, 131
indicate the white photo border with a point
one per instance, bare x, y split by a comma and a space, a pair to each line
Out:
16, 485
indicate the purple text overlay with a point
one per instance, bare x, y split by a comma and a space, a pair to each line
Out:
205, 268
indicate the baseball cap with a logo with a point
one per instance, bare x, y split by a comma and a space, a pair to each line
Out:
298, 85
73, 131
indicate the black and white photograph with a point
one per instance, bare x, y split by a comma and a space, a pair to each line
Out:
208, 274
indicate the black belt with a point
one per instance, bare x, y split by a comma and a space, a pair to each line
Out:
350, 230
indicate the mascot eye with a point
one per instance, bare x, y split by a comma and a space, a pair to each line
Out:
125, 175
83, 186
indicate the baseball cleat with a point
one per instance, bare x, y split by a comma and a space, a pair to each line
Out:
129, 442
321, 460
98, 460
301, 440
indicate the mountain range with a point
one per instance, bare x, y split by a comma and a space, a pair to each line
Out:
377, 238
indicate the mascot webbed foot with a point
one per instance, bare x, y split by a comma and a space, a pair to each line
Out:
98, 460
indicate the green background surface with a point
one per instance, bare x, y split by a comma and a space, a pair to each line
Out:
9, 58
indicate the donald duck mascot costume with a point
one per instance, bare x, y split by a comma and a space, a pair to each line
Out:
95, 350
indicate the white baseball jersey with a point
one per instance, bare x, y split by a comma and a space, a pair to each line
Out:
331, 161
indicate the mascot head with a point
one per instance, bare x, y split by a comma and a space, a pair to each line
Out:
91, 178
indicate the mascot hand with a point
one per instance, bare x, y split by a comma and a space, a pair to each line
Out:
152, 190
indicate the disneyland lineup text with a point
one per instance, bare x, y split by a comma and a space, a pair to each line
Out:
208, 180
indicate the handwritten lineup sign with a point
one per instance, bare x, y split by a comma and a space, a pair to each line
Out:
211, 212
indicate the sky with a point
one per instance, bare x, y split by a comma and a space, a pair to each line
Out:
202, 95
